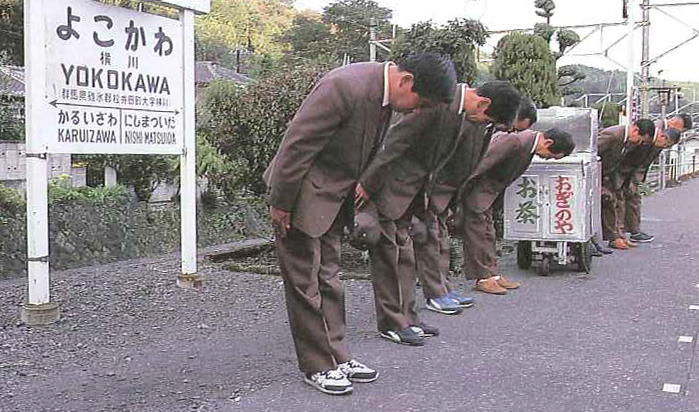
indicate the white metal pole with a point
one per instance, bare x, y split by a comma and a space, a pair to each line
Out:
188, 204
645, 56
38, 308
631, 26
37, 197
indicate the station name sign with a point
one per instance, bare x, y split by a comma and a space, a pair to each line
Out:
114, 80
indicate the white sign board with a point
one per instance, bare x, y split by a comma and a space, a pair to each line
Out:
199, 6
114, 80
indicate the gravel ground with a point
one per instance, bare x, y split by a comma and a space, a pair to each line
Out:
131, 340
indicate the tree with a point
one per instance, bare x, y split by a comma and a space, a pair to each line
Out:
545, 31
246, 124
350, 20
457, 39
546, 8
309, 37
565, 37
525, 60
12, 32
249, 25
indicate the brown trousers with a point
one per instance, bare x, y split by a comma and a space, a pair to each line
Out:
480, 258
408, 270
610, 215
629, 208
432, 255
315, 297
391, 265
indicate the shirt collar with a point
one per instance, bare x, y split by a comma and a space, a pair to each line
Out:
536, 142
386, 88
463, 98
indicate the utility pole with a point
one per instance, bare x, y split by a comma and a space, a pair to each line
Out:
631, 27
645, 56
372, 39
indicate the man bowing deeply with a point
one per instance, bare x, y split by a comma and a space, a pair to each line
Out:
312, 178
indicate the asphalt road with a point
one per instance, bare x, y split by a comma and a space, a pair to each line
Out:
604, 341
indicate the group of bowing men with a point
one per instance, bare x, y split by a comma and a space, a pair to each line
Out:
627, 154
344, 165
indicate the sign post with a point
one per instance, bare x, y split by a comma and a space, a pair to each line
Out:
105, 79
188, 277
39, 309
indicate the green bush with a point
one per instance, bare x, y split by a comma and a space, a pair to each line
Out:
61, 191
246, 123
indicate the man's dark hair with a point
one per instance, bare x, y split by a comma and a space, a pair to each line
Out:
504, 101
686, 120
527, 110
562, 141
673, 136
434, 76
645, 126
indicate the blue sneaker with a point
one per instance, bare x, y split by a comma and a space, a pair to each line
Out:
444, 305
461, 300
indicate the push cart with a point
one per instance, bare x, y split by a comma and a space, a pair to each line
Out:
554, 208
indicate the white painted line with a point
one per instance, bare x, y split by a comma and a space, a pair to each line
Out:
686, 339
671, 387
693, 307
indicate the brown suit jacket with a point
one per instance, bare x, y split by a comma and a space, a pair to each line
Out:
419, 147
636, 163
508, 156
468, 154
612, 148
327, 146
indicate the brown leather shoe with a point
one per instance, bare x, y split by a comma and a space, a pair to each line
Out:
506, 283
630, 243
618, 243
490, 285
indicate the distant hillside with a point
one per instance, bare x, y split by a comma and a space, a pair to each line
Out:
603, 81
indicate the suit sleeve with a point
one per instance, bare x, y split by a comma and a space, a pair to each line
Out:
400, 138
605, 141
500, 152
321, 114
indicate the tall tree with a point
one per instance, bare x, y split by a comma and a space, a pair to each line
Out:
309, 37
566, 38
457, 39
350, 20
250, 25
525, 60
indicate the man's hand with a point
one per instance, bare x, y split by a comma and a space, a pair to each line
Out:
281, 221
360, 196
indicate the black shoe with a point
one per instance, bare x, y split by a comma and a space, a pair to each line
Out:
595, 252
641, 237
603, 248
407, 336
425, 330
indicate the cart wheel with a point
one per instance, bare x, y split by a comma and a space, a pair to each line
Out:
584, 257
524, 254
545, 268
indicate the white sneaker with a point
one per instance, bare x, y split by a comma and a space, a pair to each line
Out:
332, 382
358, 372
